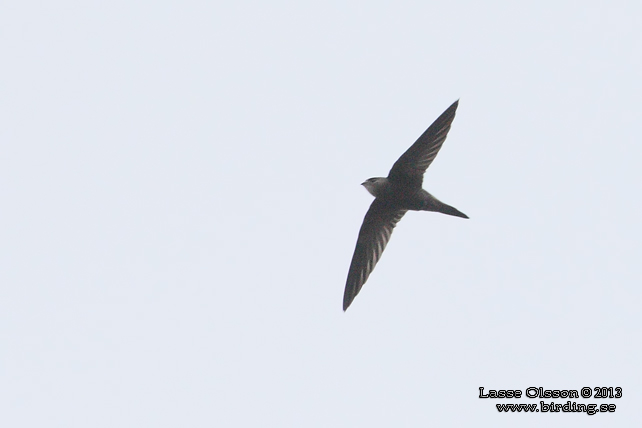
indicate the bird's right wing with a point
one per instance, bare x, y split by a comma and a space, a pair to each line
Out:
412, 165
374, 235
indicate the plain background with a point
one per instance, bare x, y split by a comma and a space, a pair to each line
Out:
180, 201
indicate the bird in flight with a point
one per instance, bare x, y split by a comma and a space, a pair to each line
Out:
394, 196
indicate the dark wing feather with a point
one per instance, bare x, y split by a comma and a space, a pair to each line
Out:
411, 166
374, 235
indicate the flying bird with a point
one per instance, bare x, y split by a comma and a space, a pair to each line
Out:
394, 196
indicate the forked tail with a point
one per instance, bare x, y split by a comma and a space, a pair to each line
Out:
434, 204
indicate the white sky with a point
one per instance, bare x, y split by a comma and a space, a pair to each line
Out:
180, 201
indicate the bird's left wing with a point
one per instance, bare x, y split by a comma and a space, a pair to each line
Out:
412, 165
374, 235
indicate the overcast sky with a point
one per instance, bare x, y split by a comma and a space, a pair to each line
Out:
180, 201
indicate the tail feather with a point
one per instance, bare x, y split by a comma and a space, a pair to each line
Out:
447, 209
434, 204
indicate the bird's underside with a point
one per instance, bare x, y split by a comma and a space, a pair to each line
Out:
394, 196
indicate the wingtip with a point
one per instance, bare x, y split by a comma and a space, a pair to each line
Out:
346, 304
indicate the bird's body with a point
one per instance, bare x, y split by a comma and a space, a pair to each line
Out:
394, 195
407, 197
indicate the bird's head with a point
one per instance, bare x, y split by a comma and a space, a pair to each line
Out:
375, 186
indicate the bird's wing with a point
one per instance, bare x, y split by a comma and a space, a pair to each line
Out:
374, 235
412, 165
